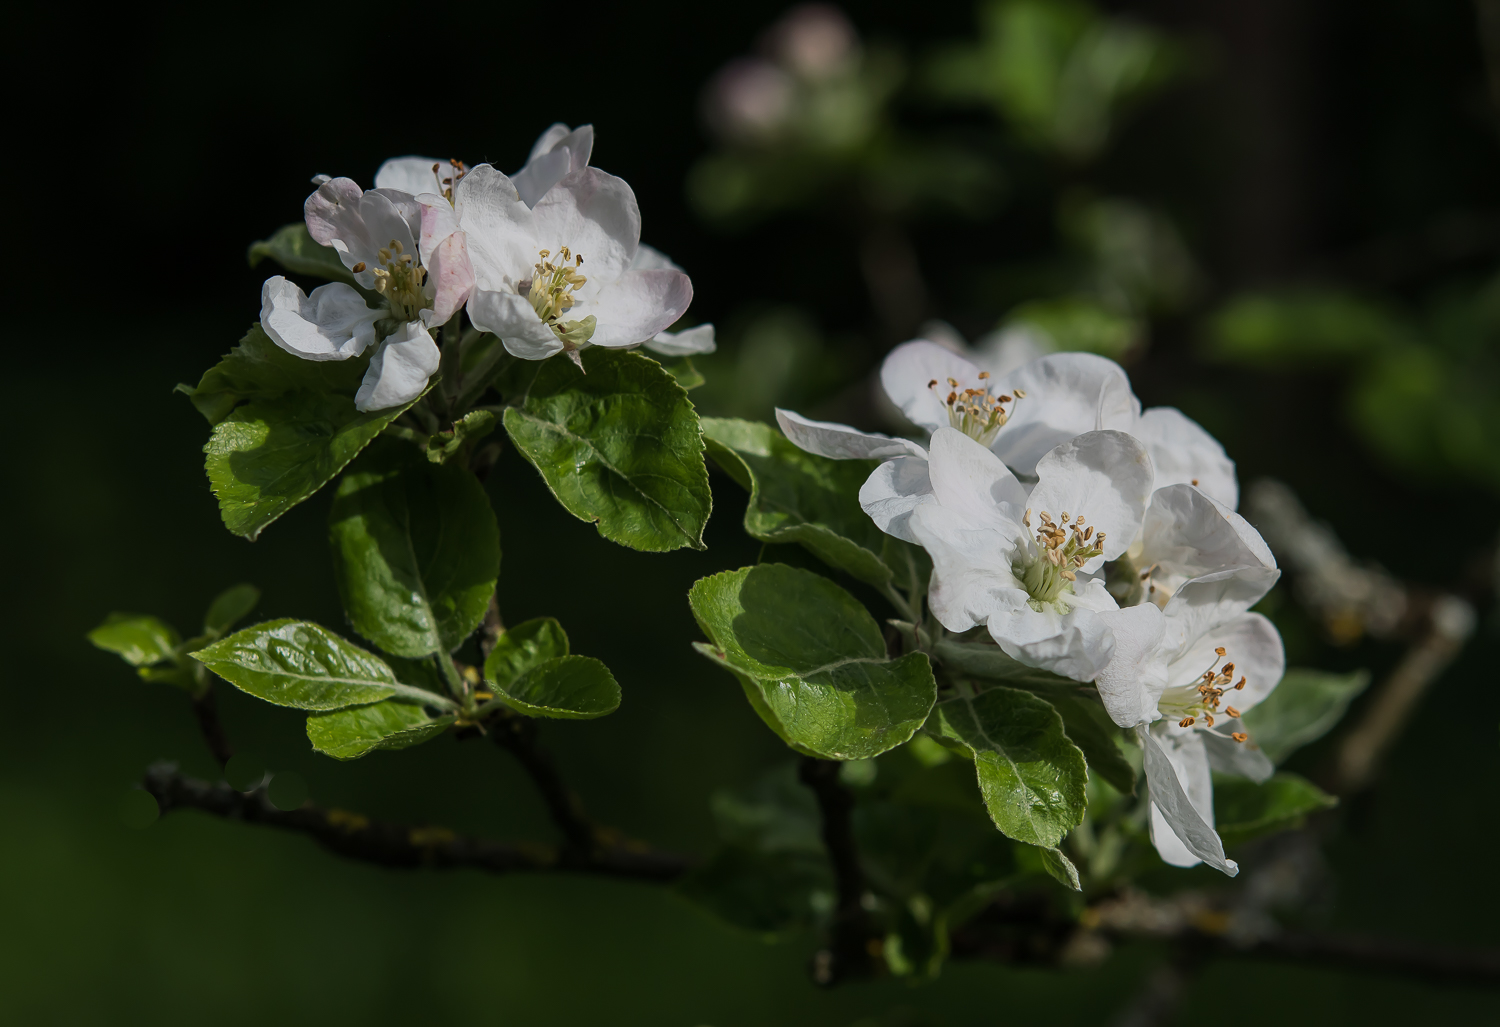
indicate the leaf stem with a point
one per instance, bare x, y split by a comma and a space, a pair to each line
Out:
849, 952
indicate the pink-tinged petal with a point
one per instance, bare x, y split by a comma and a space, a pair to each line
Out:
500, 230
649, 258
635, 307
1067, 394
332, 323
892, 491
399, 370
450, 277
1183, 453
594, 214
972, 482
356, 224
1104, 476
908, 372
840, 442
512, 318
1182, 803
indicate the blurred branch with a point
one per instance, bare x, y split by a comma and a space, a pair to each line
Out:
357, 837
851, 940
516, 734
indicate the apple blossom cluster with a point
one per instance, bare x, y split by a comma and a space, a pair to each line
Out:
1089, 539
548, 259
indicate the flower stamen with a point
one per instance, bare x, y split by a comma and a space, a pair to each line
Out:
975, 412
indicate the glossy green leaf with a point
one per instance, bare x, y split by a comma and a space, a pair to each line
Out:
565, 688
619, 446
299, 664
392, 724
229, 607
138, 639
524, 647
812, 661
1301, 709
258, 369
688, 376
1061, 868
296, 250
1032, 777
416, 551
1089, 727
1245, 810
273, 452
800, 497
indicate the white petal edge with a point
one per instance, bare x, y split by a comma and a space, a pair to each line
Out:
399, 370
332, 323
1171, 803
841, 442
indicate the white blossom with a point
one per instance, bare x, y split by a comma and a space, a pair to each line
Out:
1021, 564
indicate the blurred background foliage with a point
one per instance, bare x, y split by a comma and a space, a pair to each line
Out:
1283, 218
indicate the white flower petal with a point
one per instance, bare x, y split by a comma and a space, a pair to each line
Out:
1205, 603
972, 579
1243, 759
500, 230
699, 339
1067, 394
840, 442
892, 491
1182, 452
649, 258
1251, 643
909, 368
971, 481
1186, 535
540, 174
595, 215
450, 278
634, 307
1104, 476
332, 323
548, 140
411, 175
512, 318
1077, 645
358, 224
399, 370
1182, 817
1132, 682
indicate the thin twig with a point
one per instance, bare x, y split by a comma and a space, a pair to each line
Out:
517, 735
206, 710
359, 838
849, 951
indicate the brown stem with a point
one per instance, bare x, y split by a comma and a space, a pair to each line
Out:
849, 952
517, 735
206, 709
393, 845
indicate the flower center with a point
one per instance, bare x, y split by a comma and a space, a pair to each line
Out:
551, 295
399, 279
1201, 700
975, 412
1060, 550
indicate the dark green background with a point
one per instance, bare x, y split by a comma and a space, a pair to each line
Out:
171, 140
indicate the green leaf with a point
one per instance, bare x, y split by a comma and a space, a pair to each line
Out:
524, 647
988, 661
565, 688
230, 606
350, 734
177, 677
1089, 727
474, 425
1245, 810
138, 639
258, 369
1032, 777
812, 661
297, 431
619, 446
294, 249
688, 376
800, 497
1061, 868
416, 552
1301, 709
299, 664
